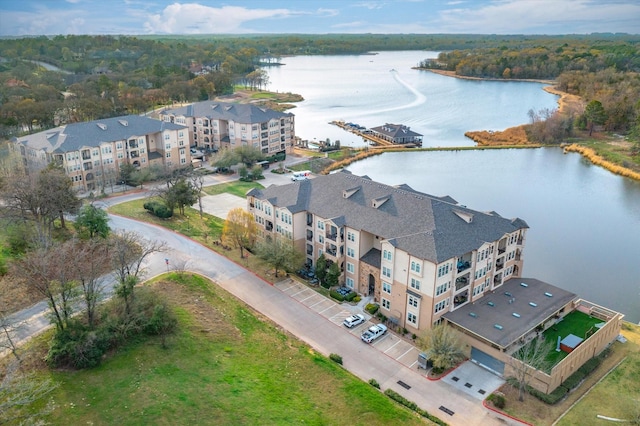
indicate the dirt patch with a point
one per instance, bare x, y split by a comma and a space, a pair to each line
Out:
206, 319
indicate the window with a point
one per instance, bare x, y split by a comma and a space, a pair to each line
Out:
443, 269
413, 301
386, 272
443, 288
167, 137
351, 236
351, 252
386, 304
350, 282
350, 267
415, 267
386, 287
441, 305
320, 224
386, 254
320, 239
415, 284
412, 318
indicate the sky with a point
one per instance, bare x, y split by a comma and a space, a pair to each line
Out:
53, 17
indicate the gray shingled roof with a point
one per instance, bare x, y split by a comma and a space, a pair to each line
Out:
239, 113
426, 226
74, 136
481, 317
395, 131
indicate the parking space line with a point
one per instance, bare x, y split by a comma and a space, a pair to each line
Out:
408, 350
317, 303
285, 289
392, 346
340, 314
302, 300
414, 363
326, 309
295, 294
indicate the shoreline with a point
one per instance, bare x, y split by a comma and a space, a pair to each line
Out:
515, 135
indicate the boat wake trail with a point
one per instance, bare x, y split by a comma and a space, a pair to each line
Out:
419, 97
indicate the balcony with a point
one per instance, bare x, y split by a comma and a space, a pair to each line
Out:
461, 299
331, 237
500, 264
268, 225
309, 236
462, 282
463, 265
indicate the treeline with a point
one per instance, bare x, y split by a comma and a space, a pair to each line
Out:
541, 58
106, 76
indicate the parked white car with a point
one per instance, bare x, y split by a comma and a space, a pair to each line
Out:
373, 332
353, 320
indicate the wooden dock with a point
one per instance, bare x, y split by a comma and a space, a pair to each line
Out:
376, 141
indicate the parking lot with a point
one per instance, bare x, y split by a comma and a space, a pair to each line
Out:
390, 344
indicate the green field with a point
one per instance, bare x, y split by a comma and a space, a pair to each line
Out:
223, 366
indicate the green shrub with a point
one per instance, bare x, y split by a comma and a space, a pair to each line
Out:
574, 380
336, 295
357, 299
350, 296
497, 399
77, 346
548, 398
372, 308
158, 209
374, 383
336, 358
590, 365
413, 406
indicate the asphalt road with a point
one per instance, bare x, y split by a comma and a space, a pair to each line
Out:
324, 336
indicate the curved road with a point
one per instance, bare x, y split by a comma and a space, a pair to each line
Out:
361, 359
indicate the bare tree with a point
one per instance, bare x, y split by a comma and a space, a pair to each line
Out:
197, 180
280, 253
41, 198
17, 394
180, 266
88, 265
47, 271
526, 360
8, 339
128, 252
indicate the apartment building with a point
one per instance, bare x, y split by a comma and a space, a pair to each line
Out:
92, 152
420, 256
218, 125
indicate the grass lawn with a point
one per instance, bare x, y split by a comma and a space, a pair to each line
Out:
576, 323
603, 394
618, 395
236, 188
223, 366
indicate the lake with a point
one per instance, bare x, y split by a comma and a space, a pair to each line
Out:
584, 222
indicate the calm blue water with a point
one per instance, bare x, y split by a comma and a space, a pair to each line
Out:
584, 222
372, 90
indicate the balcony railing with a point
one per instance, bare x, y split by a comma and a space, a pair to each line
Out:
463, 265
461, 283
331, 237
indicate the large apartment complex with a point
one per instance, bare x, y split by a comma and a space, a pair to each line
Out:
427, 259
92, 152
419, 255
214, 125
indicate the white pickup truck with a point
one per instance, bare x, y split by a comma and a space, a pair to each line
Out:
373, 332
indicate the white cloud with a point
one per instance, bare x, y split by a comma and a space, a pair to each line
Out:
543, 16
193, 18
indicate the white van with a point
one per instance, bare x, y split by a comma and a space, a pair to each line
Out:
303, 175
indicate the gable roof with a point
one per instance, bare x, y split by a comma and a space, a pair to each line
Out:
396, 131
74, 136
425, 226
240, 113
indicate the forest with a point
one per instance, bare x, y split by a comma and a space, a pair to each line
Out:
102, 76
